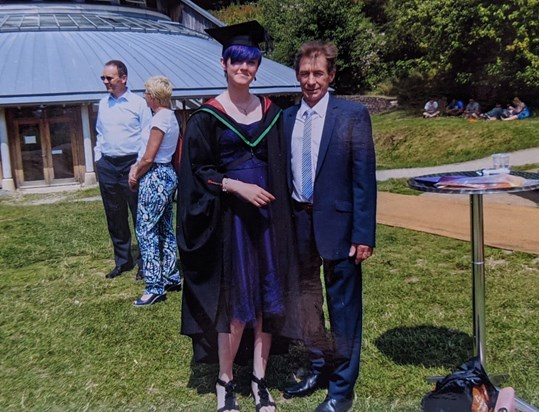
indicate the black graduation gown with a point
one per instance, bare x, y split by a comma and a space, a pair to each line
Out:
204, 221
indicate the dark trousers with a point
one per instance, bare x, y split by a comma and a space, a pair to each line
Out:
343, 283
118, 199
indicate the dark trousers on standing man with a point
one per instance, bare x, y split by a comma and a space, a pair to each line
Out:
340, 356
118, 200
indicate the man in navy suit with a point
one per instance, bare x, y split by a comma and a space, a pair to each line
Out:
333, 184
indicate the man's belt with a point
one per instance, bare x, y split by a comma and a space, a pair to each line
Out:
120, 159
302, 206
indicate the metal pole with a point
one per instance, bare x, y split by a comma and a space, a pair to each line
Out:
522, 406
478, 276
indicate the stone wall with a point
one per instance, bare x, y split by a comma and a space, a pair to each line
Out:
375, 104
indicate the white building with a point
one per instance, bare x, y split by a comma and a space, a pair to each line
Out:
51, 58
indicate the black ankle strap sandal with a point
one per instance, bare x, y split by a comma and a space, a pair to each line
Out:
262, 393
230, 396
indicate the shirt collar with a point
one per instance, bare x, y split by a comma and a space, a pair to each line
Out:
124, 96
320, 108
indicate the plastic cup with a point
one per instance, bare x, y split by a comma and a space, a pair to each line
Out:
504, 160
497, 160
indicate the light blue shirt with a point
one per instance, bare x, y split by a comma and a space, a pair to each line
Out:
122, 125
318, 119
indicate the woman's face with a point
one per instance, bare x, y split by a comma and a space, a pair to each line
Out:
150, 101
240, 73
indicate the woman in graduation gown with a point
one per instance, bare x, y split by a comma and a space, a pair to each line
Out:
234, 222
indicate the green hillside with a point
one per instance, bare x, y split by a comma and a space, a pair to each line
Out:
403, 140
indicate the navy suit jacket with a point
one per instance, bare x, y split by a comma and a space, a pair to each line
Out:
344, 199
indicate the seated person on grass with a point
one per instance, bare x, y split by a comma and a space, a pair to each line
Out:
431, 109
454, 108
472, 110
496, 113
517, 110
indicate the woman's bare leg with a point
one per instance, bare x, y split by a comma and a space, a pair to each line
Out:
228, 344
260, 361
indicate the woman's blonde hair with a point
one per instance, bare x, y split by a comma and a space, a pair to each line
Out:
160, 88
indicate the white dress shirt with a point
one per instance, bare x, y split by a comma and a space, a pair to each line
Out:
318, 119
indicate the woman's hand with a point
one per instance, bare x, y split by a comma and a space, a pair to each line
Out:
132, 179
249, 192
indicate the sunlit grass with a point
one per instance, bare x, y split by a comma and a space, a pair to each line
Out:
403, 140
71, 340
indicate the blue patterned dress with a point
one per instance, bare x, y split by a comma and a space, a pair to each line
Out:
155, 229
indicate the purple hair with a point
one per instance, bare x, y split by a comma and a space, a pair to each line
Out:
238, 53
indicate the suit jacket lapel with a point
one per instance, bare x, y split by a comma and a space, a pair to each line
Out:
327, 132
289, 120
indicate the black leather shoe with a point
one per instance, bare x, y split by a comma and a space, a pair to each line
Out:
118, 270
308, 385
173, 287
151, 300
334, 405
140, 274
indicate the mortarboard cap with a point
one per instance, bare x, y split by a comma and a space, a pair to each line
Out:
250, 33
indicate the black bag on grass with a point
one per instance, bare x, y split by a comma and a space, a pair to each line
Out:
468, 389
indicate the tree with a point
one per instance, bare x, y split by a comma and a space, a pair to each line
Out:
472, 48
480, 48
292, 22
218, 4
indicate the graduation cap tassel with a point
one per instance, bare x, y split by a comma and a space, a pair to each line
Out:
269, 43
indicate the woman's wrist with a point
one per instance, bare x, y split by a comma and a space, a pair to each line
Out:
226, 185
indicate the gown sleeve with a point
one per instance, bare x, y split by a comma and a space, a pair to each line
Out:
198, 199
198, 227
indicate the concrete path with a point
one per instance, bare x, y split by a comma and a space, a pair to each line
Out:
518, 158
510, 221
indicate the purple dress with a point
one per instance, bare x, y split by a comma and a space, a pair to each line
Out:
255, 286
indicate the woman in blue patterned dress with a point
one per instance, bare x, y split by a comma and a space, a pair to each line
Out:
157, 181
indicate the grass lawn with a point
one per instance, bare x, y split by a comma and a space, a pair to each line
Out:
407, 141
72, 341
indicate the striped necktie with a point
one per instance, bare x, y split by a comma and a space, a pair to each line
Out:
306, 161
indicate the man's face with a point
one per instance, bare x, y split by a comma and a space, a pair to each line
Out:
314, 78
114, 83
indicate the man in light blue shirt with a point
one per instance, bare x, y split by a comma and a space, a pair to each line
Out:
123, 121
